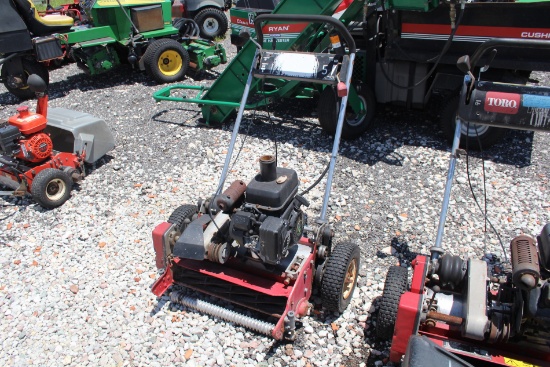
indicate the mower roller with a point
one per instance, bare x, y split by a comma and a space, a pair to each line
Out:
460, 309
251, 244
43, 153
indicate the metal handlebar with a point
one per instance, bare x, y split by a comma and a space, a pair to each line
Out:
506, 42
307, 18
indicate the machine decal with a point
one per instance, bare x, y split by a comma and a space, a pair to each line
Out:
471, 33
507, 103
467, 349
516, 363
530, 100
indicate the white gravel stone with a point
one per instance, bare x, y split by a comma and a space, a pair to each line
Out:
389, 183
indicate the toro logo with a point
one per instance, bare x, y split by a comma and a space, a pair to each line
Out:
507, 103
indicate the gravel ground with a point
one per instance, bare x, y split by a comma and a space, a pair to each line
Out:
75, 281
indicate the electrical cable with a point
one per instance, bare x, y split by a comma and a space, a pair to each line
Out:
483, 210
437, 61
316, 181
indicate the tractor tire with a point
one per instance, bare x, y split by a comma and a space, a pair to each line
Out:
329, 105
212, 23
182, 216
395, 285
474, 136
51, 188
29, 67
166, 61
340, 276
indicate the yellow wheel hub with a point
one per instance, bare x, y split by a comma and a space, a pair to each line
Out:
170, 63
351, 275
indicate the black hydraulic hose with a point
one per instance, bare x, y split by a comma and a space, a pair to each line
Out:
316, 181
7, 58
437, 61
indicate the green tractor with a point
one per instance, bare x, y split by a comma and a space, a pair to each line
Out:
141, 33
136, 32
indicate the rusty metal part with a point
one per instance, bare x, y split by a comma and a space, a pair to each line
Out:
218, 252
231, 196
268, 168
525, 263
499, 331
451, 320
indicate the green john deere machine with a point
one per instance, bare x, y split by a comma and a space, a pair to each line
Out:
222, 98
141, 33
406, 54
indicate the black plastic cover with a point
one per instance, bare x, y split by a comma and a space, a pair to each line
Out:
8, 136
272, 195
14, 36
422, 352
48, 48
544, 247
272, 235
190, 245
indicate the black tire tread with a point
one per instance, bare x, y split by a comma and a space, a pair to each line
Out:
395, 285
29, 67
181, 213
152, 53
448, 113
39, 183
334, 274
216, 13
327, 110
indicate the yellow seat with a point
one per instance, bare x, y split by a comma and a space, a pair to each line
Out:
56, 20
42, 26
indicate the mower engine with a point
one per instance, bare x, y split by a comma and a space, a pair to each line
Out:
270, 220
465, 303
261, 221
22, 137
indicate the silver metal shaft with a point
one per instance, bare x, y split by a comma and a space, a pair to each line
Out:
236, 126
337, 136
448, 185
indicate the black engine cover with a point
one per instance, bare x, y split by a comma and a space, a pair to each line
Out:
272, 240
8, 139
273, 195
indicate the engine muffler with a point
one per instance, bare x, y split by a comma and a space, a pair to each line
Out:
525, 264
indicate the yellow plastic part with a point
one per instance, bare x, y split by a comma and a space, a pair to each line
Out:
170, 62
53, 19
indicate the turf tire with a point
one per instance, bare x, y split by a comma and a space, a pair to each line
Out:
336, 294
395, 285
51, 188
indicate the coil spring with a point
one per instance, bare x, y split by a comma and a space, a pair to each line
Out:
222, 313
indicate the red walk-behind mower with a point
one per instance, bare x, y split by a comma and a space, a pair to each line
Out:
251, 245
43, 153
456, 311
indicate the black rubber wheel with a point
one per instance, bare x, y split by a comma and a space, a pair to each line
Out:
182, 216
472, 135
51, 188
329, 105
212, 23
395, 285
29, 67
166, 61
340, 276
